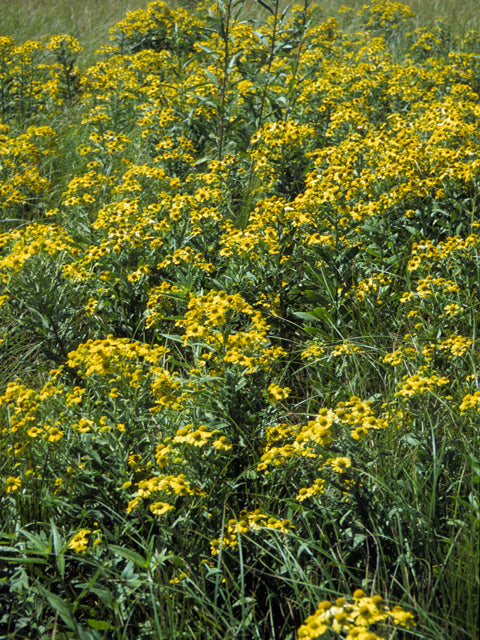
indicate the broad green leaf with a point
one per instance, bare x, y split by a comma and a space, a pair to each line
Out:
99, 625
131, 555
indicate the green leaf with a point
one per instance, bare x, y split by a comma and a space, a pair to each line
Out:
310, 317
266, 6
58, 605
38, 543
59, 545
26, 560
99, 625
212, 78
131, 555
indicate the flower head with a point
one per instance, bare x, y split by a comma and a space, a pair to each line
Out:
79, 541
13, 484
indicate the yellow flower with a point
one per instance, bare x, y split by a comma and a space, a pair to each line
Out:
134, 459
359, 433
58, 485
133, 504
199, 437
346, 348
84, 425
277, 393
307, 492
34, 432
91, 306
159, 508
312, 628
353, 619
340, 465
402, 618
161, 455
313, 351
79, 541
55, 434
452, 310
222, 444
13, 484
471, 401
417, 384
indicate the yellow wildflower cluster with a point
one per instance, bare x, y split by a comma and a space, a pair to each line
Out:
427, 286
346, 348
36, 239
114, 356
313, 352
210, 320
79, 542
359, 414
455, 345
159, 302
231, 254
37, 76
316, 488
276, 393
25, 406
277, 148
471, 401
195, 437
419, 383
355, 619
174, 450
21, 178
398, 356
285, 442
156, 486
371, 288
424, 253
253, 521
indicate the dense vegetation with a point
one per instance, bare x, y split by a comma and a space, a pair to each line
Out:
240, 294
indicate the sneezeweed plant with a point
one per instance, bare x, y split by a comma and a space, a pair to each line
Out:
239, 264
37, 77
24, 171
255, 521
357, 619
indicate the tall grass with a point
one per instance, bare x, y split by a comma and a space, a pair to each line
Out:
87, 20
90, 20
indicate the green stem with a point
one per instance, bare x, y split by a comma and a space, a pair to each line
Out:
225, 34
296, 64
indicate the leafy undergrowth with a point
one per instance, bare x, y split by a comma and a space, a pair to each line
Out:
239, 329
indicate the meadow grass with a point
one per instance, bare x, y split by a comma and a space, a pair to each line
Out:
90, 20
239, 256
87, 20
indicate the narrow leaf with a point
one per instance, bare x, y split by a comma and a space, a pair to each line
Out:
59, 605
266, 6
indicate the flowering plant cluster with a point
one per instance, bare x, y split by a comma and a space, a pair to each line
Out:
239, 263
